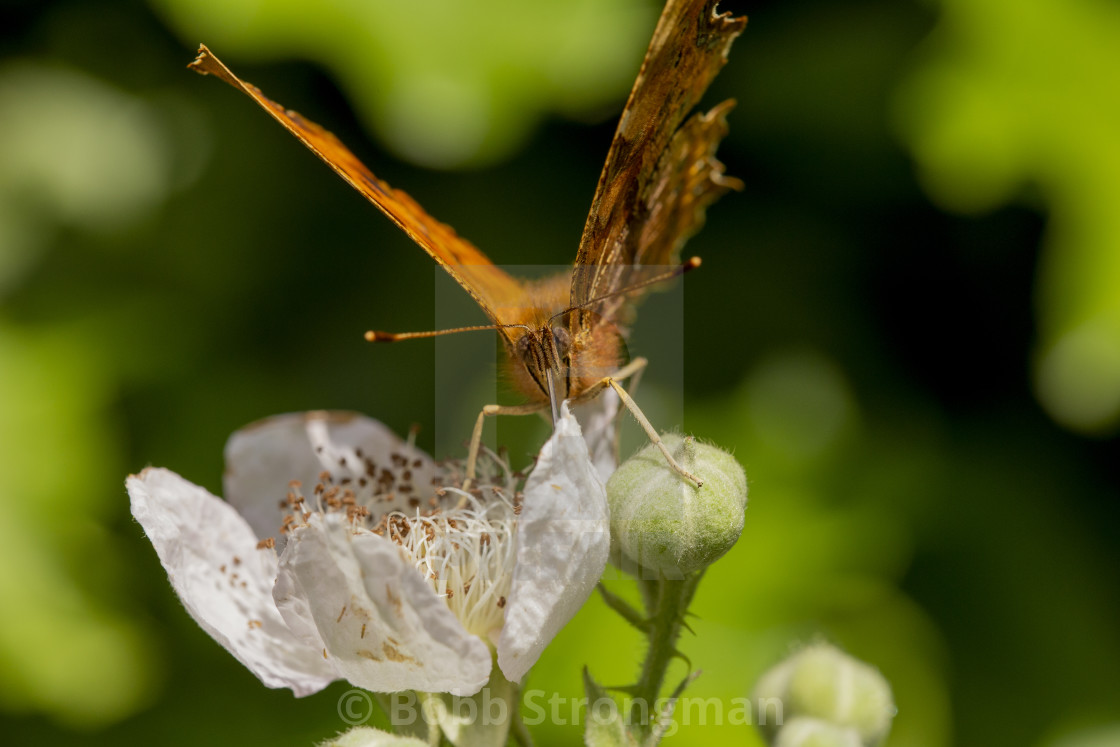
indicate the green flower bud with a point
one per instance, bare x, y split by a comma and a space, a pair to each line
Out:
365, 736
823, 683
812, 732
664, 523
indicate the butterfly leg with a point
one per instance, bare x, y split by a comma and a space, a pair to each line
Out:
629, 370
632, 389
476, 435
632, 406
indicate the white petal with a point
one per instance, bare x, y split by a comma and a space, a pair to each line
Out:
563, 538
262, 458
224, 581
598, 419
382, 626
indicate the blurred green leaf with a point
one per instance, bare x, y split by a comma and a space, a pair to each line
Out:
77, 152
65, 651
1012, 99
450, 82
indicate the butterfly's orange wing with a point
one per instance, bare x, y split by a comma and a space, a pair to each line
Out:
495, 291
659, 175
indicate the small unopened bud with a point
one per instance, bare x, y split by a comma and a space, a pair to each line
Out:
366, 736
812, 732
662, 522
822, 683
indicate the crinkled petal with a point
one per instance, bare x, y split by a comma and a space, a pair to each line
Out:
563, 538
211, 557
381, 625
598, 419
263, 458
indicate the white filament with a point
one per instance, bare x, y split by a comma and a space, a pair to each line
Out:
467, 554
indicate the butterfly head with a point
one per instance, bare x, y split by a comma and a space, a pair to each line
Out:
561, 359
545, 354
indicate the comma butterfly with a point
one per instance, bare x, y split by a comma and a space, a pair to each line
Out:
563, 334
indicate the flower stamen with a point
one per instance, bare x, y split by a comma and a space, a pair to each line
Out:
462, 542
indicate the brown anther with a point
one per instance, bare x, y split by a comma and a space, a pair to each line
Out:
340, 614
355, 513
501, 602
268, 543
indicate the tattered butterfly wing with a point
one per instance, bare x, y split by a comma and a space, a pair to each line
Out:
659, 175
498, 293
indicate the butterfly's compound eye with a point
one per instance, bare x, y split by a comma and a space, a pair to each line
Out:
563, 340
524, 343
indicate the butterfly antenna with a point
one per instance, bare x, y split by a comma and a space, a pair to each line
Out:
378, 336
690, 264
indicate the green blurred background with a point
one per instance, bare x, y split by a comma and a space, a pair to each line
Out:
907, 327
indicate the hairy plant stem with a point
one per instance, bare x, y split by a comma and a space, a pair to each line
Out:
519, 732
667, 602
